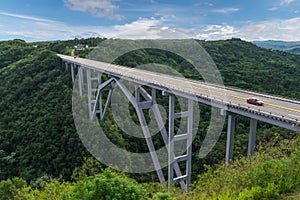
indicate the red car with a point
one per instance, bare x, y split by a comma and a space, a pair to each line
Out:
255, 101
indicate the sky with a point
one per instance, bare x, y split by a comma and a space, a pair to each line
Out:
41, 20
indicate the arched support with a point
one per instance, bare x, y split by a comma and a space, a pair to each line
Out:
135, 101
169, 139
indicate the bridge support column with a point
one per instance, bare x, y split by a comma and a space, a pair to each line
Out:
89, 90
230, 137
163, 131
189, 143
187, 138
252, 136
67, 66
171, 141
95, 88
80, 80
73, 73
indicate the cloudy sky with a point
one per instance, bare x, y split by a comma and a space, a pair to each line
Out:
36, 20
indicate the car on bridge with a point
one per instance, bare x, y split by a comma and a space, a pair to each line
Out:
255, 101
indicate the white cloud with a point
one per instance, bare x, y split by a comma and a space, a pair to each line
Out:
273, 8
286, 2
35, 29
157, 29
199, 4
98, 8
152, 28
142, 28
25, 17
281, 4
149, 28
226, 10
217, 32
287, 30
275, 30
209, 4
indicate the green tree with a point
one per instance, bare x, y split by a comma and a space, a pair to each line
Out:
106, 186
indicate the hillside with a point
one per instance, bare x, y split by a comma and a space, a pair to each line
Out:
247, 66
37, 133
290, 47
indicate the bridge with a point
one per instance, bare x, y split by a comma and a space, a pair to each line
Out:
278, 111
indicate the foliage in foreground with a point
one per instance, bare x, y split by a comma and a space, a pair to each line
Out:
107, 185
272, 173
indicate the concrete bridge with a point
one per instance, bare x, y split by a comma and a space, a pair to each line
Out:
278, 111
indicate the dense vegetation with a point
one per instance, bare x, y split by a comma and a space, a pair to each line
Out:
272, 173
37, 135
244, 65
39, 143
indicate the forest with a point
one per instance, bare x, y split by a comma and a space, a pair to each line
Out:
42, 157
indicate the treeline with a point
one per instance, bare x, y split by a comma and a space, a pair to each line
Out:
66, 47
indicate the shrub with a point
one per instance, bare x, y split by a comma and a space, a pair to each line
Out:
108, 185
11, 188
162, 196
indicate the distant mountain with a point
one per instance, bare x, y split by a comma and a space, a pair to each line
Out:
290, 47
88, 35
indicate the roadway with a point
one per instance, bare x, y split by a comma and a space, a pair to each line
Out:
281, 107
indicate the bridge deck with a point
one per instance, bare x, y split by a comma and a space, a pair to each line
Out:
279, 111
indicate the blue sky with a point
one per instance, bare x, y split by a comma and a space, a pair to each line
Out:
37, 20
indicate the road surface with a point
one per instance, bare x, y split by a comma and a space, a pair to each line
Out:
282, 107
